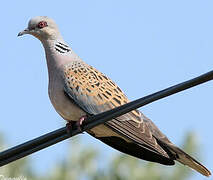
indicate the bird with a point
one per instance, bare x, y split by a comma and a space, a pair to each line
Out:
78, 90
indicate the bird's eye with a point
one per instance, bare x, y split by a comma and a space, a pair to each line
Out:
41, 24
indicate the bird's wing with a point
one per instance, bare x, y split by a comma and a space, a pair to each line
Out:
96, 93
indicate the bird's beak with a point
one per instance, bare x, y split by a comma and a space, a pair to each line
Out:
26, 31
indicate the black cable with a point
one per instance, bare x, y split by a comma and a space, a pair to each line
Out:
61, 134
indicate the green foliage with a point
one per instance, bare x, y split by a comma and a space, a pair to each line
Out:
16, 168
83, 163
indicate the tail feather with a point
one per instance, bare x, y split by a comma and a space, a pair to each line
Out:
186, 159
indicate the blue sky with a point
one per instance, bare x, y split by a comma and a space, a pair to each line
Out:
144, 46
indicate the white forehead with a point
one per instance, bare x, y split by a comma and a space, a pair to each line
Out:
35, 20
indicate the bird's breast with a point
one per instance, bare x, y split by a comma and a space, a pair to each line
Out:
61, 102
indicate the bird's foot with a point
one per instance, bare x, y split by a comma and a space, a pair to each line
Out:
75, 124
80, 122
69, 127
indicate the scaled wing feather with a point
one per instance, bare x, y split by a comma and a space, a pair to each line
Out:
95, 93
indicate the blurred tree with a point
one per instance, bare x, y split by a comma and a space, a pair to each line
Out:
16, 168
82, 162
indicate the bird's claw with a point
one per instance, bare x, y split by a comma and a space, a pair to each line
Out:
77, 124
69, 127
80, 122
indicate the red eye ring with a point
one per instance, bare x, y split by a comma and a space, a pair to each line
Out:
41, 24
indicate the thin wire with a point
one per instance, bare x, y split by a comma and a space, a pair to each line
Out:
61, 134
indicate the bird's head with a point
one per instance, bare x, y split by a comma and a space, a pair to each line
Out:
43, 28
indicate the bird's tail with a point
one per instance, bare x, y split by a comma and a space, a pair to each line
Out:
186, 159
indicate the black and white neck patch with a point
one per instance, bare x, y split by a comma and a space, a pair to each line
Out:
62, 48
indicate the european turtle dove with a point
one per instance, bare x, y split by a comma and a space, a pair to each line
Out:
77, 89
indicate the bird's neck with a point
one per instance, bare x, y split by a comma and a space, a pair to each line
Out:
58, 53
57, 47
